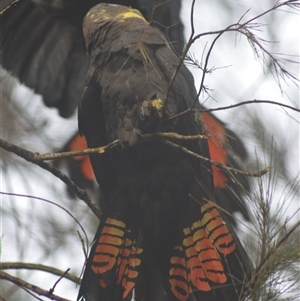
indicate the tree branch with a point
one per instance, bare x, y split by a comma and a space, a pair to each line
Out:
28, 286
244, 29
39, 267
268, 256
8, 7
31, 157
162, 137
59, 206
254, 101
217, 164
103, 149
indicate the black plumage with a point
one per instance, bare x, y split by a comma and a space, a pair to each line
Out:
42, 44
163, 235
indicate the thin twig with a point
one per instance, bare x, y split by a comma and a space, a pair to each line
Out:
244, 29
8, 7
55, 204
173, 135
38, 267
88, 151
162, 137
254, 101
272, 252
52, 289
217, 164
104, 149
30, 157
179, 64
28, 286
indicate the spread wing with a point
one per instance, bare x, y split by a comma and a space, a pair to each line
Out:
42, 43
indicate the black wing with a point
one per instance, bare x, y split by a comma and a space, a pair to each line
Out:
43, 44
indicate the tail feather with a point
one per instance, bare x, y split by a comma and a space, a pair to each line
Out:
205, 261
201, 263
113, 264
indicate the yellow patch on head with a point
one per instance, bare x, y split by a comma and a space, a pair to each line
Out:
131, 14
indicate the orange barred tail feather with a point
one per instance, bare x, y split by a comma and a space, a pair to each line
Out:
164, 243
113, 265
115, 250
201, 265
207, 264
108, 246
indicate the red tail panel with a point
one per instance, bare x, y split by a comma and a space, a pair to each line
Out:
197, 263
116, 252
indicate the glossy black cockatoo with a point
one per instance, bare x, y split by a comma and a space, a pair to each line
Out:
42, 44
163, 235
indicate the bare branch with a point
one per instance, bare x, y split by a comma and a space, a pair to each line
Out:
57, 205
38, 267
161, 136
95, 150
254, 101
103, 149
28, 286
30, 156
217, 164
254, 41
52, 289
8, 7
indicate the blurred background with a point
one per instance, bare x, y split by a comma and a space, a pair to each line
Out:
36, 231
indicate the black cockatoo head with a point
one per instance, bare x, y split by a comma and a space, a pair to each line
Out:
106, 22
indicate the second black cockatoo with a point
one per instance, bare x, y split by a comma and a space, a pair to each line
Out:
163, 235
